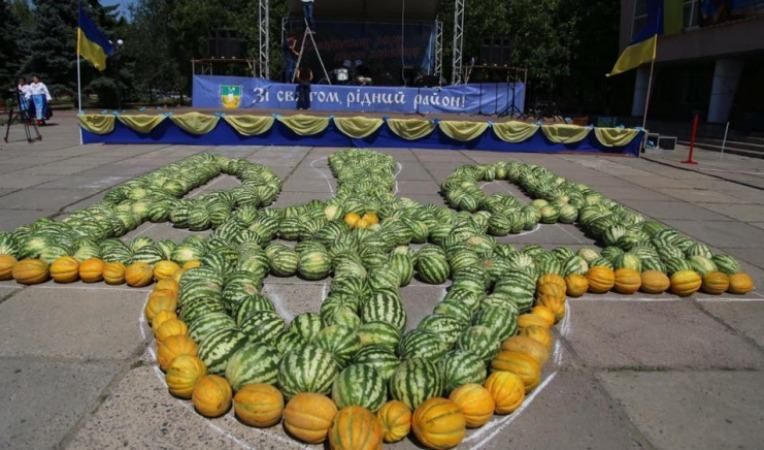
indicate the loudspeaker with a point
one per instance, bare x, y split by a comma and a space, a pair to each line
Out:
496, 50
225, 44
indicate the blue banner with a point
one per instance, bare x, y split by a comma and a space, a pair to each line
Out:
232, 93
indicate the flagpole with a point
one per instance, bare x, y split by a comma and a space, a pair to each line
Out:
647, 95
79, 74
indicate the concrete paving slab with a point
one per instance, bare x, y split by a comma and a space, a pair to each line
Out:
692, 410
44, 199
696, 195
670, 334
317, 185
442, 156
10, 219
571, 412
17, 180
291, 300
673, 210
80, 182
741, 212
547, 235
164, 230
744, 316
412, 171
419, 300
427, 199
140, 413
89, 322
758, 224
407, 188
6, 290
722, 234
42, 398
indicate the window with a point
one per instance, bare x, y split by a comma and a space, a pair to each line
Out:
691, 14
640, 17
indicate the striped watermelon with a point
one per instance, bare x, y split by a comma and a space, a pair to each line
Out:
287, 341
342, 342
384, 306
382, 358
379, 333
447, 328
191, 312
307, 368
726, 264
454, 309
384, 278
253, 364
218, 348
414, 381
206, 324
239, 286
359, 385
306, 325
314, 264
263, 326
479, 340
284, 263
432, 268
251, 304
461, 367
421, 344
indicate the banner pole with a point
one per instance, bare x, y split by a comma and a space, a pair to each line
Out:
79, 74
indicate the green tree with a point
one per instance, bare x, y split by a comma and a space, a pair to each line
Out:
10, 53
52, 45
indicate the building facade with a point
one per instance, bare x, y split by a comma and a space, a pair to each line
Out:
713, 65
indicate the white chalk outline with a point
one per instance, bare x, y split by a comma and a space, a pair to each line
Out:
321, 171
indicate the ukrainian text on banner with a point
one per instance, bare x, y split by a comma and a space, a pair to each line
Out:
231, 93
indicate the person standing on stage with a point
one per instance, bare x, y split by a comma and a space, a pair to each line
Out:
307, 9
24, 94
304, 77
40, 99
290, 57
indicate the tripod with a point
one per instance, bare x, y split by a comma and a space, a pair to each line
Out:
309, 32
23, 116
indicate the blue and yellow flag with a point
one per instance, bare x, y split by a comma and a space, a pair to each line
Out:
644, 43
92, 44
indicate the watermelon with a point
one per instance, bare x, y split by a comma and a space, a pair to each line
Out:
379, 333
421, 343
382, 358
446, 328
254, 363
461, 367
479, 340
342, 342
262, 326
360, 385
314, 264
414, 381
208, 322
432, 268
384, 306
251, 304
307, 368
306, 325
726, 264
219, 346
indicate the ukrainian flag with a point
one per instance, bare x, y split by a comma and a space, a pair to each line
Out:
645, 42
92, 44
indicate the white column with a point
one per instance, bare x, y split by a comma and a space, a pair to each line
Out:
640, 91
726, 78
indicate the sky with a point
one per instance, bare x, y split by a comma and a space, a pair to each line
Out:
122, 3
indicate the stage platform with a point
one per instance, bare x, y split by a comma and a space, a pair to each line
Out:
503, 135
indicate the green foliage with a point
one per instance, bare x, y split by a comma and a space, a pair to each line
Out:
10, 50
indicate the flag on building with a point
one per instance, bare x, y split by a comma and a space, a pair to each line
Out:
92, 44
661, 16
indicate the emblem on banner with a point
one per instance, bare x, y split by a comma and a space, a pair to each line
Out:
230, 96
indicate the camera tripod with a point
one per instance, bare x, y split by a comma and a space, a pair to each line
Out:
30, 127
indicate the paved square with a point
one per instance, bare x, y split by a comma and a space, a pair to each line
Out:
76, 368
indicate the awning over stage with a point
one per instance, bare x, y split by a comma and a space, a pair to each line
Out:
416, 10
365, 132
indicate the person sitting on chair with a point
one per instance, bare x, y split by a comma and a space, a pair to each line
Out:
290, 57
40, 99
304, 77
307, 10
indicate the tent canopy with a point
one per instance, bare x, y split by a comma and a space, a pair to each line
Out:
363, 10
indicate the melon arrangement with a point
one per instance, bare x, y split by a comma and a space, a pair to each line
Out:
354, 373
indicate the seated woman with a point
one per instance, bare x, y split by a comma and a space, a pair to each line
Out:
23, 96
40, 98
